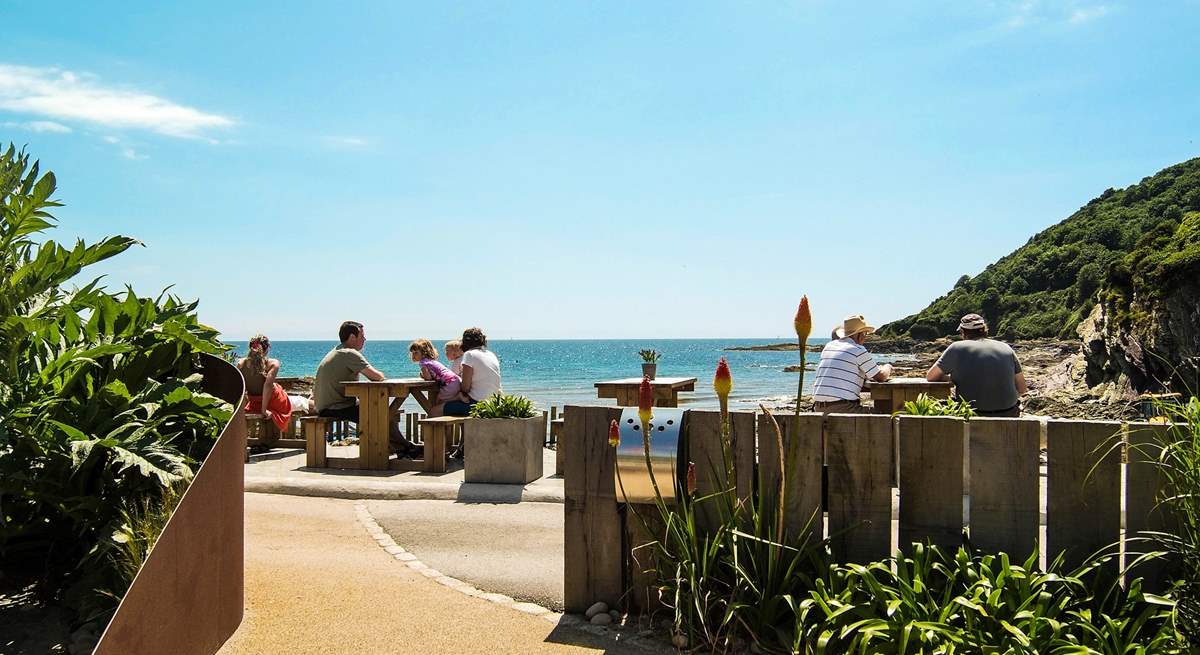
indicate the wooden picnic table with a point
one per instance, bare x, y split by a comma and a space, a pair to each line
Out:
890, 396
376, 403
666, 390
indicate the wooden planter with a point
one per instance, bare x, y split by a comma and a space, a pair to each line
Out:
503, 450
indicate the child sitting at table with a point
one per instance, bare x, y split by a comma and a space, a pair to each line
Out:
449, 384
454, 353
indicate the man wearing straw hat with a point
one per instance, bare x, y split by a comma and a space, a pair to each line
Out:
844, 369
985, 372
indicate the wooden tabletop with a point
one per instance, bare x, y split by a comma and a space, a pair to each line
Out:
396, 383
678, 384
908, 382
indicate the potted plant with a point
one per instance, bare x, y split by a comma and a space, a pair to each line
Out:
649, 362
503, 441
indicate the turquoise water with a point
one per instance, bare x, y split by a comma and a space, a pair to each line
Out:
561, 372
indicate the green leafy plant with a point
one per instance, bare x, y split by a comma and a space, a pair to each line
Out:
926, 405
499, 405
649, 356
1176, 454
100, 400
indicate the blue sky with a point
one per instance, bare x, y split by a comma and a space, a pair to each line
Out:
585, 169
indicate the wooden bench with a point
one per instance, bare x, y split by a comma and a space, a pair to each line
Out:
260, 431
556, 430
436, 433
314, 429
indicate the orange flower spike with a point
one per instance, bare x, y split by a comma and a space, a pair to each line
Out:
645, 401
803, 320
691, 478
614, 434
722, 381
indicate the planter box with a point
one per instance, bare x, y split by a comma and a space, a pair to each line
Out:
503, 450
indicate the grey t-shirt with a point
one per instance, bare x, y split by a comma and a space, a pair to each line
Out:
983, 372
339, 366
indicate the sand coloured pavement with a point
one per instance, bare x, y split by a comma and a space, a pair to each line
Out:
316, 582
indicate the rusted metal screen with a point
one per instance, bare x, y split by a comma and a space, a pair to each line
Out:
188, 596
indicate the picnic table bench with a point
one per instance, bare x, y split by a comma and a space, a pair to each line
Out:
625, 391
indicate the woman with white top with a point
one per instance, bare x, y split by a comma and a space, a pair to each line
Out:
480, 373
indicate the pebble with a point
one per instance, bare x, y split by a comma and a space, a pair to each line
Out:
616, 616
680, 641
602, 618
598, 608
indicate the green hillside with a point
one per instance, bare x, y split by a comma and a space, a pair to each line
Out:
1137, 235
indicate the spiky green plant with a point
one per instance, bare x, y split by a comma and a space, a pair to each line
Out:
649, 356
926, 405
499, 405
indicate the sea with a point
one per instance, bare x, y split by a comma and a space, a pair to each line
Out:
563, 372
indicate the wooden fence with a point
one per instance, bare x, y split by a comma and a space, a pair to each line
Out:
982, 475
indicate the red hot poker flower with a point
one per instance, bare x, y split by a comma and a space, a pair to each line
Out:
645, 401
614, 434
803, 320
722, 381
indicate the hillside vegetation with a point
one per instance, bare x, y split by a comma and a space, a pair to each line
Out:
1141, 240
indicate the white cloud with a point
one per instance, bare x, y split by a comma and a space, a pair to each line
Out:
66, 96
130, 153
40, 126
1018, 14
1085, 14
347, 141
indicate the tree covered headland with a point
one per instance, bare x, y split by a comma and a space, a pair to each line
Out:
1139, 242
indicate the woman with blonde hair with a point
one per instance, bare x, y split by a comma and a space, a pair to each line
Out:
266, 397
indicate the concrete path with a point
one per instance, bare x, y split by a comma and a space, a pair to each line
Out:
284, 472
317, 583
515, 550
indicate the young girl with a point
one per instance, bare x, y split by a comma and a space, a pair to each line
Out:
449, 384
454, 353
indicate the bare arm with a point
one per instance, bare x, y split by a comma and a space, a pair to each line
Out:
372, 374
1022, 387
268, 388
884, 373
467, 375
936, 374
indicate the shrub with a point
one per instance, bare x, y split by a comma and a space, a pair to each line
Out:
100, 401
499, 405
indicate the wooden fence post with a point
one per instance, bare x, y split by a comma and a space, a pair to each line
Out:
858, 451
706, 452
1005, 484
804, 465
931, 480
1145, 487
1083, 489
592, 556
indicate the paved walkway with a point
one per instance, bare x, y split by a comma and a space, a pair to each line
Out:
284, 472
317, 583
512, 549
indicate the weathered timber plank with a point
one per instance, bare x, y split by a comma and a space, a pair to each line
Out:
858, 455
1145, 487
1083, 489
1004, 485
707, 453
931, 480
592, 526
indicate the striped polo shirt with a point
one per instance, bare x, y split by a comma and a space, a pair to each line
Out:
845, 366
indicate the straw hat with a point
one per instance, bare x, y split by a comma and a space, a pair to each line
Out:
852, 325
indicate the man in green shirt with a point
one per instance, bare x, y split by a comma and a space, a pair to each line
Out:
342, 364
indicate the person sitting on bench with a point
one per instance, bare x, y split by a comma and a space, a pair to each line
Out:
265, 396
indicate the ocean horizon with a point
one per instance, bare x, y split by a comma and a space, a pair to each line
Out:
559, 372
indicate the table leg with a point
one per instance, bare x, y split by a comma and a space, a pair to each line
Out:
378, 431
425, 399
